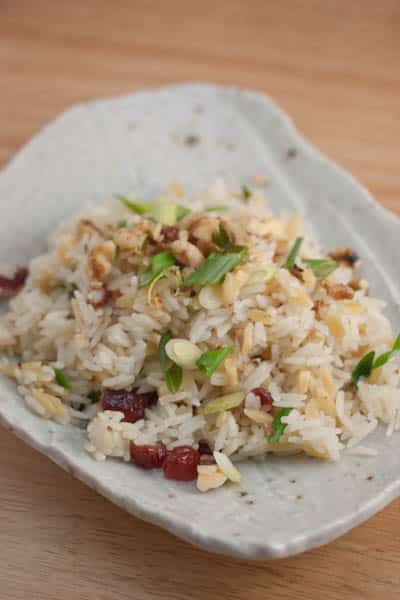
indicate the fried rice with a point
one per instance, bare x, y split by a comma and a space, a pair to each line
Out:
202, 322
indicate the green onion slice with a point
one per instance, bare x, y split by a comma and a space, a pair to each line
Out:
321, 267
290, 261
214, 268
277, 426
211, 360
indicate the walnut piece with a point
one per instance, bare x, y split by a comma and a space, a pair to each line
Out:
338, 291
100, 260
186, 253
345, 255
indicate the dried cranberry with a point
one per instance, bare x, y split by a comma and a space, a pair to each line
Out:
265, 398
181, 463
152, 398
148, 456
206, 454
204, 448
131, 404
169, 233
11, 285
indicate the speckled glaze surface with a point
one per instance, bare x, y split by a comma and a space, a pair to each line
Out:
194, 133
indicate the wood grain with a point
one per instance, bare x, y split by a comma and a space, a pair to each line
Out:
334, 65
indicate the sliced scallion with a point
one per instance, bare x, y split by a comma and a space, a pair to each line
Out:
214, 268
368, 363
321, 268
211, 360
159, 264
61, 378
290, 261
277, 426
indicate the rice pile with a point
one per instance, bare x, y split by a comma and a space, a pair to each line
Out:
85, 322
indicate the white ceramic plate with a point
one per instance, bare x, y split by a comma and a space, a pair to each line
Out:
195, 133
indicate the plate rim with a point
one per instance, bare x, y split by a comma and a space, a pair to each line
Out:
252, 549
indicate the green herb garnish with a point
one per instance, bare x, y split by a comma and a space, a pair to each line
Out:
60, 286
277, 426
211, 360
61, 378
140, 208
218, 208
122, 223
161, 354
166, 213
159, 264
363, 368
181, 212
290, 261
221, 238
321, 267
368, 363
173, 378
173, 375
386, 356
94, 395
214, 268
246, 193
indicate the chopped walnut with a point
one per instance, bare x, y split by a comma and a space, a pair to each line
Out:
346, 256
87, 226
100, 260
169, 234
186, 253
201, 232
356, 283
297, 272
129, 240
338, 291
317, 306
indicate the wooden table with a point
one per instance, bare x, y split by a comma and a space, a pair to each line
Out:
335, 66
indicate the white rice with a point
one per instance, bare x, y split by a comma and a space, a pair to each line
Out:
282, 330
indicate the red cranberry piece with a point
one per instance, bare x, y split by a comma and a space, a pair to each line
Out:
11, 285
181, 463
131, 404
265, 398
204, 448
148, 456
206, 454
169, 233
